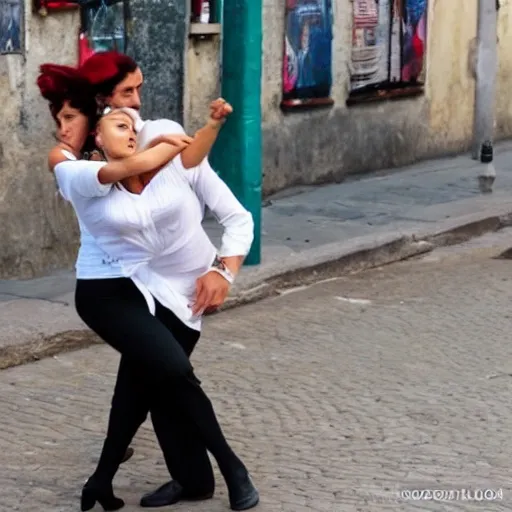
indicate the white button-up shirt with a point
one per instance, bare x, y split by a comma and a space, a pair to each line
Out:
158, 235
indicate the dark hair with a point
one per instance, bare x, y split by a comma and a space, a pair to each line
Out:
105, 70
60, 84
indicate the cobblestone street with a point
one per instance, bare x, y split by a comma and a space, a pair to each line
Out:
338, 397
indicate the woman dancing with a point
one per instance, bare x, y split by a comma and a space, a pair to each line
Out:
117, 81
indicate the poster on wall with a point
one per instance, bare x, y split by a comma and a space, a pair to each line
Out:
370, 42
414, 37
307, 77
388, 43
10, 26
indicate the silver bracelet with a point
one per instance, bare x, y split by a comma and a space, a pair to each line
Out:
220, 267
227, 275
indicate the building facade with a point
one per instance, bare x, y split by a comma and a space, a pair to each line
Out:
348, 86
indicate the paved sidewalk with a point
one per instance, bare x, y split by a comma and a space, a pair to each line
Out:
308, 232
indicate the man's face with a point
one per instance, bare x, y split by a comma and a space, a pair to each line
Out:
127, 92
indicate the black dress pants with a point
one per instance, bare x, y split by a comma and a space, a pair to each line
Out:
114, 308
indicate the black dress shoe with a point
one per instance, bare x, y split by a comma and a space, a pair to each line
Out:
171, 493
242, 493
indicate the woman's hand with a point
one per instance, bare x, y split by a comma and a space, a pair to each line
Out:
220, 109
136, 184
205, 137
211, 292
179, 141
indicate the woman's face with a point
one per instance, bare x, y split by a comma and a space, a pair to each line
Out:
116, 136
72, 127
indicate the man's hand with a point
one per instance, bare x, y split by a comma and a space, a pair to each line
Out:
211, 292
220, 109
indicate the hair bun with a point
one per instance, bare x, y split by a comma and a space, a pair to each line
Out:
57, 81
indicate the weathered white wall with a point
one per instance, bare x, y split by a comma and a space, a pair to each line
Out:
38, 232
202, 81
327, 144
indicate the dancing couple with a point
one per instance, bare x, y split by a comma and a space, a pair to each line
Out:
146, 269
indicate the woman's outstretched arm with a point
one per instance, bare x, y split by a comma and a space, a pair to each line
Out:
148, 160
203, 140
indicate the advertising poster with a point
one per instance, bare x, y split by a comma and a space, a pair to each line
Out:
370, 42
307, 50
10, 26
388, 43
414, 38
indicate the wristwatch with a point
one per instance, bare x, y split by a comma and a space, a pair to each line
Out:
220, 267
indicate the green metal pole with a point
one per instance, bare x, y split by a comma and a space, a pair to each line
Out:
218, 11
237, 152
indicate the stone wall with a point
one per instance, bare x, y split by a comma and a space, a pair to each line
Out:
38, 231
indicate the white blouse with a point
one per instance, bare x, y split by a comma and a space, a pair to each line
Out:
92, 262
157, 235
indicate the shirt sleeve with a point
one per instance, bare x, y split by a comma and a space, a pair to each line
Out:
80, 177
235, 219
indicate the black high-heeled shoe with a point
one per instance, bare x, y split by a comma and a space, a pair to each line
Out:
92, 492
243, 495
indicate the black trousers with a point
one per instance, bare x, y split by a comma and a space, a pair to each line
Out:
155, 375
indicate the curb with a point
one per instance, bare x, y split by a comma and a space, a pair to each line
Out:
365, 253
300, 269
47, 346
